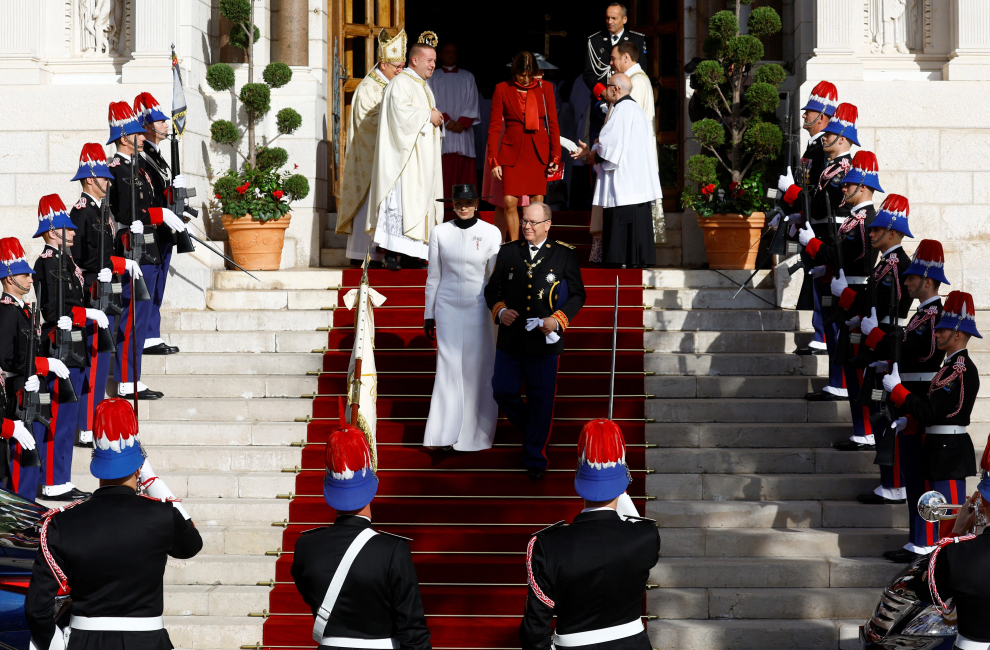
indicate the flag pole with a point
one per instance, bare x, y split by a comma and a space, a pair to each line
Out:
615, 336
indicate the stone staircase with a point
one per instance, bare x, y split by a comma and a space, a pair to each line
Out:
764, 545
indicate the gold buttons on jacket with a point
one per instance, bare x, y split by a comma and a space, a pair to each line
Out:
527, 309
529, 286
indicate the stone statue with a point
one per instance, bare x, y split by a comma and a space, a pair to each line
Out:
888, 26
100, 22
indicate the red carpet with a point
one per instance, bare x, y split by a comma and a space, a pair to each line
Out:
469, 515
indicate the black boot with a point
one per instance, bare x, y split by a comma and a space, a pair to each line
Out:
391, 261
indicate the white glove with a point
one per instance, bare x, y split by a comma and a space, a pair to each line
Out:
775, 221
853, 322
792, 230
64, 323
891, 380
22, 435
839, 284
132, 267
56, 366
137, 228
806, 234
172, 220
157, 488
99, 317
818, 271
899, 425
785, 181
179, 181
880, 366
105, 275
32, 385
870, 322
188, 215
533, 323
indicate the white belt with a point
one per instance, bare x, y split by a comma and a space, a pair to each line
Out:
917, 376
945, 429
857, 279
116, 623
900, 321
349, 642
603, 635
967, 644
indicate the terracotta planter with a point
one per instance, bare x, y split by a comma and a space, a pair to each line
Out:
255, 245
731, 239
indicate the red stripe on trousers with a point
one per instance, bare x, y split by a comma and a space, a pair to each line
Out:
50, 438
90, 403
898, 483
124, 376
867, 425
15, 473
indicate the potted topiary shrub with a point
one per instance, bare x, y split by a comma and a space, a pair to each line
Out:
725, 184
255, 197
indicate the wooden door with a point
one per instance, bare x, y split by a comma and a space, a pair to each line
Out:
353, 27
662, 23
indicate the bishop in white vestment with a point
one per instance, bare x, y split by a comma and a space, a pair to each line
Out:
407, 179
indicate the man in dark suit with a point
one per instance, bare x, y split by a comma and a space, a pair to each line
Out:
592, 573
534, 292
361, 585
597, 66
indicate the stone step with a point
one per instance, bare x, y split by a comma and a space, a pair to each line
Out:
719, 320
208, 632
239, 540
215, 485
241, 570
244, 386
231, 300
759, 461
247, 341
755, 634
698, 299
336, 257
232, 363
155, 433
249, 320
332, 239
738, 387
767, 410
694, 364
169, 459
738, 342
773, 572
206, 409
214, 600
742, 435
799, 604
774, 514
299, 279
780, 542
704, 278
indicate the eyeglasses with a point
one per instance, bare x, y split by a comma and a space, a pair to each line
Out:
531, 224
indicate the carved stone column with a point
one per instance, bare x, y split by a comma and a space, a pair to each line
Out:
20, 42
838, 25
155, 28
293, 32
969, 58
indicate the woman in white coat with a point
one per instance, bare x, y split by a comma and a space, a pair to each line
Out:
462, 257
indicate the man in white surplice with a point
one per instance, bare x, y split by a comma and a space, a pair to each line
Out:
457, 98
407, 178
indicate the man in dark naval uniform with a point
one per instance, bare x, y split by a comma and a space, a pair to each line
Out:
110, 551
592, 573
534, 293
360, 585
597, 60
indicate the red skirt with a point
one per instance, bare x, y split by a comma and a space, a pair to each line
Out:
528, 176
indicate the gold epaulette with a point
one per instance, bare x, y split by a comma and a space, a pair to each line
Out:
562, 243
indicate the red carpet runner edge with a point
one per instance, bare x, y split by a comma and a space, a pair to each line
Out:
469, 515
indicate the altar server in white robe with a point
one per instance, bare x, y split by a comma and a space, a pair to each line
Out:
406, 177
462, 257
457, 98
359, 153
627, 184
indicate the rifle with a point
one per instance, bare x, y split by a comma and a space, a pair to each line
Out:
840, 258
866, 397
885, 450
177, 200
105, 289
64, 339
139, 289
31, 404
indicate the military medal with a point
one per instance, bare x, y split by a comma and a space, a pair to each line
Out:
530, 267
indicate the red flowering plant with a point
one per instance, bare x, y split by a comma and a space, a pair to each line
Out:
263, 192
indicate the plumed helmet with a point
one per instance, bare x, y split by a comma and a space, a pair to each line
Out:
601, 474
959, 314
893, 214
824, 98
12, 260
52, 215
350, 483
864, 171
148, 110
117, 450
843, 122
92, 163
123, 121
928, 261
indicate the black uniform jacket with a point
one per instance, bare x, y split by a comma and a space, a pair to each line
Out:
858, 255
85, 214
918, 350
14, 324
532, 287
814, 158
599, 54
592, 575
113, 550
830, 184
145, 198
947, 456
380, 596
73, 296
161, 178
961, 571
888, 277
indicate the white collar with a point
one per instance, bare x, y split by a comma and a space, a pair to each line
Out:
539, 245
153, 145
412, 72
601, 508
615, 39
446, 69
633, 69
948, 357
815, 137
125, 156
859, 205
892, 248
20, 301
928, 302
93, 198
363, 517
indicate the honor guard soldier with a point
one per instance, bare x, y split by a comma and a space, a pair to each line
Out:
920, 360
15, 323
109, 552
858, 258
958, 569
820, 107
155, 123
597, 62
126, 131
73, 318
942, 413
360, 584
104, 274
840, 134
592, 573
534, 292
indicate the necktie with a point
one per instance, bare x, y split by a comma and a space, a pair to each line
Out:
534, 248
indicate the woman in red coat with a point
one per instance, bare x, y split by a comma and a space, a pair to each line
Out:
530, 147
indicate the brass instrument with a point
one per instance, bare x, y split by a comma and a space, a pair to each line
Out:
933, 507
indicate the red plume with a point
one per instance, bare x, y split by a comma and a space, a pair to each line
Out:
601, 442
347, 451
50, 205
846, 113
144, 101
10, 249
114, 423
120, 112
92, 152
865, 160
897, 204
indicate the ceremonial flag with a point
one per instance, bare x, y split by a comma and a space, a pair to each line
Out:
362, 377
178, 98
